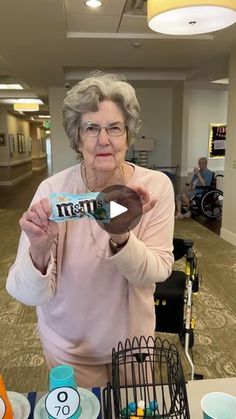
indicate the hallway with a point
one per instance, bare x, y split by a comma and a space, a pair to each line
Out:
20, 195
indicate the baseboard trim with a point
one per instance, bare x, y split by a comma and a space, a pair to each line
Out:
38, 168
14, 181
228, 236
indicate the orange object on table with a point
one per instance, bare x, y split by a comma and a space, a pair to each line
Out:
6, 411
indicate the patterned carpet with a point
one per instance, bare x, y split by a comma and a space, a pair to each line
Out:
214, 305
21, 360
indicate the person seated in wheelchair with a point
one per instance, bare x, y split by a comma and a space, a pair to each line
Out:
202, 176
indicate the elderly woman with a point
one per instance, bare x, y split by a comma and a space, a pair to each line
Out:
93, 288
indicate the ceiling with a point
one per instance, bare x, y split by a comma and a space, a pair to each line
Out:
53, 43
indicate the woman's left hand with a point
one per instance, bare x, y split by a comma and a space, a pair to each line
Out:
147, 202
128, 198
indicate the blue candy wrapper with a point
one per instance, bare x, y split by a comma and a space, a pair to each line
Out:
67, 206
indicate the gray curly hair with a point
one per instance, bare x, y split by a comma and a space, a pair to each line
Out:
86, 95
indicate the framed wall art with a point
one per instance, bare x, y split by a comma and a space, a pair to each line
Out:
2, 139
217, 141
23, 143
19, 143
12, 146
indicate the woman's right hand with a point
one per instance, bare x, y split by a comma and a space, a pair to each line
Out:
41, 232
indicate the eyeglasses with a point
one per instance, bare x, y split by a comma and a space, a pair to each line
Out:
115, 129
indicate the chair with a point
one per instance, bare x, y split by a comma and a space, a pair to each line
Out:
173, 298
208, 201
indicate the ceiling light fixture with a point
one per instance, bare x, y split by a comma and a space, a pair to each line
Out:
8, 101
26, 107
221, 81
30, 100
93, 3
11, 87
190, 17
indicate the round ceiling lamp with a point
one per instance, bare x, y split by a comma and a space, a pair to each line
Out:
183, 17
93, 3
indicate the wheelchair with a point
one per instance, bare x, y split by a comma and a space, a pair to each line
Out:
208, 201
173, 299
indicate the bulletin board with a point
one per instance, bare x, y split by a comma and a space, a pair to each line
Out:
217, 141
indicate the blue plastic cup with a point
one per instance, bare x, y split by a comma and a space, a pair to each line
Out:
63, 376
217, 405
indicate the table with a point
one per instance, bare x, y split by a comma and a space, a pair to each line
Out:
196, 389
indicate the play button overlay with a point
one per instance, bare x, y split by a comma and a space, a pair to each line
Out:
125, 209
116, 209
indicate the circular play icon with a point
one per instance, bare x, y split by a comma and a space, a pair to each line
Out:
125, 209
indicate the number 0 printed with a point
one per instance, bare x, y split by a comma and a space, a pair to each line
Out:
62, 403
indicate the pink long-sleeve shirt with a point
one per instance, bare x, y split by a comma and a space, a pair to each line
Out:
90, 299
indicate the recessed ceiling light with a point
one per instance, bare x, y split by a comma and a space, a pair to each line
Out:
93, 3
44, 116
11, 87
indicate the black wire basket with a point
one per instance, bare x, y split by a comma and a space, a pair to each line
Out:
147, 382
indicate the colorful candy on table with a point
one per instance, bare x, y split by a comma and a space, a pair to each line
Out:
136, 411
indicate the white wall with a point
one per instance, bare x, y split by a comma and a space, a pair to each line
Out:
177, 123
228, 229
62, 154
204, 107
156, 114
